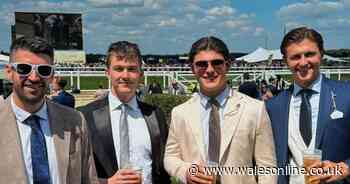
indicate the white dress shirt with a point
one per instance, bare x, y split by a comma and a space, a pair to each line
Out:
205, 109
25, 131
296, 143
140, 141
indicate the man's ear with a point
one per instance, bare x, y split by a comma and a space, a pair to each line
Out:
107, 72
192, 68
50, 79
141, 73
228, 65
8, 72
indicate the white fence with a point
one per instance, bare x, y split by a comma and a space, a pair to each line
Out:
184, 74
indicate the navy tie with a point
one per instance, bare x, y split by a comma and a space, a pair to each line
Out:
40, 163
305, 118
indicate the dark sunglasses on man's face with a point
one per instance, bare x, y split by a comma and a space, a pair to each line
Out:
25, 70
203, 65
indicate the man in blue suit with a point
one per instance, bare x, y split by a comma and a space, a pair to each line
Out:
313, 113
60, 95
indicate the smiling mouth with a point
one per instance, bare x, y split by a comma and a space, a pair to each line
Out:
303, 71
210, 78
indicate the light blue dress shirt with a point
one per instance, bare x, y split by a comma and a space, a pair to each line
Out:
25, 131
314, 102
140, 141
205, 112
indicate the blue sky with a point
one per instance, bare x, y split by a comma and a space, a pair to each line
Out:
171, 26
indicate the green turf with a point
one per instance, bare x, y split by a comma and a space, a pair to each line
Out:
91, 83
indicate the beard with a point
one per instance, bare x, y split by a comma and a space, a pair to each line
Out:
30, 97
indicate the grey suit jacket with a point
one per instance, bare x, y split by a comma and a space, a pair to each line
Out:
73, 148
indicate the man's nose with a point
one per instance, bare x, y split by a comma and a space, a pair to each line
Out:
34, 76
125, 73
210, 68
303, 60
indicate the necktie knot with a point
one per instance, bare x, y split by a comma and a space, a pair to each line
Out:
213, 103
32, 120
306, 93
124, 107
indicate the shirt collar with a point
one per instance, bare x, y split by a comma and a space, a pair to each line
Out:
221, 98
315, 86
115, 102
22, 115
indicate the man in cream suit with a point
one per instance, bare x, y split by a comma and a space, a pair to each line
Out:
41, 142
218, 125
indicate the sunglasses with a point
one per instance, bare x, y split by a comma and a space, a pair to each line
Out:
203, 65
23, 69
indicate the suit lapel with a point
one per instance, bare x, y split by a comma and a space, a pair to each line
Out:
283, 123
195, 124
324, 111
154, 132
104, 145
61, 138
11, 150
232, 117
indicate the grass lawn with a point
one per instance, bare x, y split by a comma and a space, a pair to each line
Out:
91, 83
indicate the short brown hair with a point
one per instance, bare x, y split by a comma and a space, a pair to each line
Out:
36, 45
123, 49
208, 44
297, 35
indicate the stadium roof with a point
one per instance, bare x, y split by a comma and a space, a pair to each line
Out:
4, 59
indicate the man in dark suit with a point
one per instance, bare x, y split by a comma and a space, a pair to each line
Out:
313, 114
60, 95
40, 141
126, 133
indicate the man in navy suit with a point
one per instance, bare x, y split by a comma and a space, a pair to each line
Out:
60, 95
313, 113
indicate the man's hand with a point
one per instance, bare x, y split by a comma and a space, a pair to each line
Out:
127, 176
199, 177
332, 172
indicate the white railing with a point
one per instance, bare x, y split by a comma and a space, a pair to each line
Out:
184, 74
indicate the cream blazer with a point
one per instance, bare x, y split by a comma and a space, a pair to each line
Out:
246, 138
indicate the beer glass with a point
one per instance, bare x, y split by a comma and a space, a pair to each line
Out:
310, 157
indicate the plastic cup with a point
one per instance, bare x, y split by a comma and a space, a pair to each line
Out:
310, 157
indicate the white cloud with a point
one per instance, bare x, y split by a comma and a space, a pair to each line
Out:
292, 25
311, 8
339, 23
168, 23
259, 31
206, 20
221, 11
115, 3
136, 33
234, 23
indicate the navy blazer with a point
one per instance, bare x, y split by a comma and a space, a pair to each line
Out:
64, 98
332, 135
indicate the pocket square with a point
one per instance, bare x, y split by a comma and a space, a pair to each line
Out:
337, 114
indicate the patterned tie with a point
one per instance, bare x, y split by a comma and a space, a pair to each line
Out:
124, 137
214, 134
305, 119
40, 163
